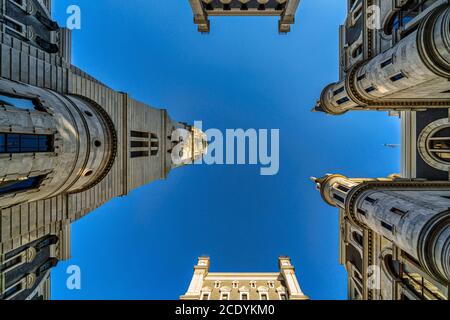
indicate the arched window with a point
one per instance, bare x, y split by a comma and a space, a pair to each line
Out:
392, 266
400, 19
414, 281
358, 238
357, 51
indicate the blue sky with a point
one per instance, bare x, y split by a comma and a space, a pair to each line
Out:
242, 75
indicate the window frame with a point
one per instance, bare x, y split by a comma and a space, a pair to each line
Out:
5, 147
266, 294
223, 294
35, 184
207, 294
247, 294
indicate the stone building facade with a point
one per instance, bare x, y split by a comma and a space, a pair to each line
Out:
395, 231
394, 55
68, 144
285, 9
281, 285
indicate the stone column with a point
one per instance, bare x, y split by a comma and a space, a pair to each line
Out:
81, 142
421, 57
415, 217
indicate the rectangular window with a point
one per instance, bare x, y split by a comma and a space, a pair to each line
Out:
398, 211
154, 144
338, 198
244, 296
370, 200
283, 296
205, 296
361, 212
386, 226
2, 143
385, 63
225, 296
46, 242
370, 89
20, 185
340, 90
11, 263
25, 143
397, 77
343, 100
343, 188
361, 77
20, 103
264, 296
139, 134
14, 26
14, 290
20, 3
139, 154
139, 144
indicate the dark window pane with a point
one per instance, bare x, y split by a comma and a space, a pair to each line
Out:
17, 102
25, 143
45, 144
20, 185
29, 143
139, 134
387, 226
139, 154
13, 290
13, 143
47, 242
139, 144
10, 263
2, 142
